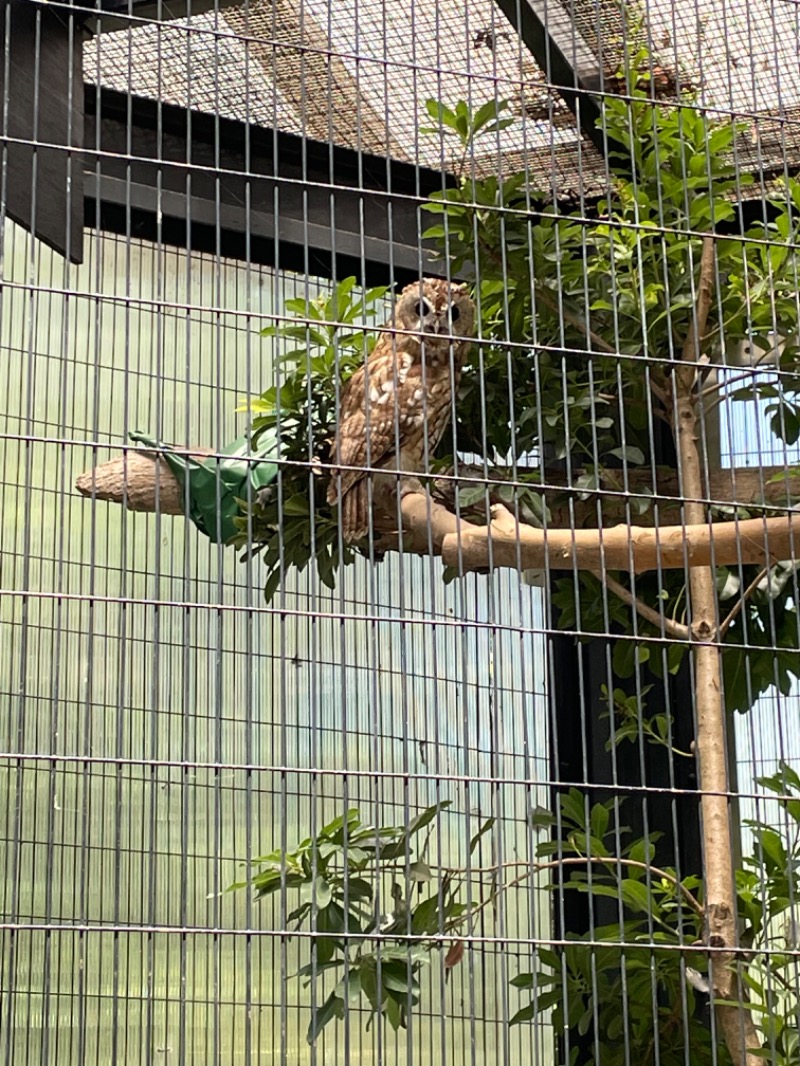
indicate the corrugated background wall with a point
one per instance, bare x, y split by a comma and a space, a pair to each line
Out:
169, 725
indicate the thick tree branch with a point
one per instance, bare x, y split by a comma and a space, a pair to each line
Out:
133, 479
696, 334
144, 484
506, 543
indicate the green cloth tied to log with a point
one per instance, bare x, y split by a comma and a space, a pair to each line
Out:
213, 486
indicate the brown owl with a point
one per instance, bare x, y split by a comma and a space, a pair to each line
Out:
402, 397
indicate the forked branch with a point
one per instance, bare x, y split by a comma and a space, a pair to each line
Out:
142, 483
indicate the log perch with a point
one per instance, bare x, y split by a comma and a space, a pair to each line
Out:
506, 543
142, 482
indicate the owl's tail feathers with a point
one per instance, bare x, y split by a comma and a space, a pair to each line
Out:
355, 512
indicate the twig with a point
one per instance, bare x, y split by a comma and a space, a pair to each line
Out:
725, 383
668, 625
580, 861
599, 342
563, 312
537, 867
696, 906
737, 607
705, 294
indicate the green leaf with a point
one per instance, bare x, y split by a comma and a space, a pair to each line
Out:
349, 989
396, 978
599, 820
441, 114
573, 808
333, 1007
358, 889
394, 1013
319, 891
636, 895
487, 825
419, 871
487, 113
541, 818
623, 658
303, 308
296, 505
425, 918
525, 1014
426, 817
334, 830
630, 454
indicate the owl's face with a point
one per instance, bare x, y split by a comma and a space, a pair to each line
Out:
436, 309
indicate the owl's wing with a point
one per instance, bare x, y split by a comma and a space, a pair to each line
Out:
360, 440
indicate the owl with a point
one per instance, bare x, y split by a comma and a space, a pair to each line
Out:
398, 404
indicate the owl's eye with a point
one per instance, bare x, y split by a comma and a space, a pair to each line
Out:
454, 313
423, 308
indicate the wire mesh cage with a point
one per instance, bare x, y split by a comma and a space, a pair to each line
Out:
399, 449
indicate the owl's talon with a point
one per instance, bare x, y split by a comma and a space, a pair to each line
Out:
410, 486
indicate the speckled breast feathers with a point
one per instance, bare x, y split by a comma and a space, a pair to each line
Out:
395, 409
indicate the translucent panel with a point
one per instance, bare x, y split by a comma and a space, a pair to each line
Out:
166, 725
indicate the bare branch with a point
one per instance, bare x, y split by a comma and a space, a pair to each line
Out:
692, 347
745, 596
610, 860
667, 625
598, 342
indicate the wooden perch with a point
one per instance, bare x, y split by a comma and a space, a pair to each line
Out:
139, 480
144, 483
505, 543
135, 477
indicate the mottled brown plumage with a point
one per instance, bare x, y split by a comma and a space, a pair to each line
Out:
403, 395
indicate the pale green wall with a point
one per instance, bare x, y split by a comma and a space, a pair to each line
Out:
102, 673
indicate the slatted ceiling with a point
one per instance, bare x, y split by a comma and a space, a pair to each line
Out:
355, 74
199, 63
358, 73
744, 53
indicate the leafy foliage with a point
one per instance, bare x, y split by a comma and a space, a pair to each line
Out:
635, 271
374, 908
639, 968
529, 389
550, 288
767, 891
292, 522
378, 909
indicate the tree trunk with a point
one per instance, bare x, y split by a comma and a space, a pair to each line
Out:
736, 1023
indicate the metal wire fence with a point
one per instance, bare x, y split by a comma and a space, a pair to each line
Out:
280, 789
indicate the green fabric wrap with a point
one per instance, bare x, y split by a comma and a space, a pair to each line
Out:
214, 485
